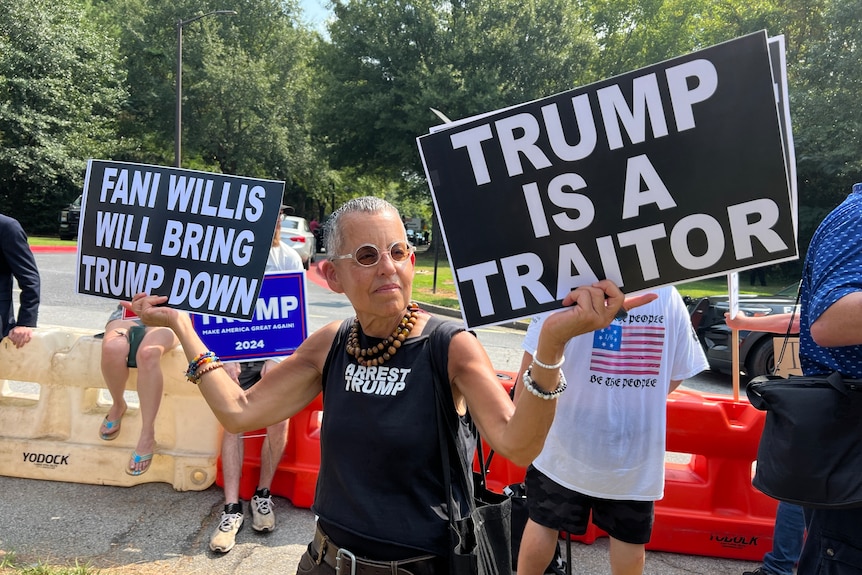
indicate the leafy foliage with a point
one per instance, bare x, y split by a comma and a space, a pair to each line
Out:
828, 103
61, 86
388, 63
336, 116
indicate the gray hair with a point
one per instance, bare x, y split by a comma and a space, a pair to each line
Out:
333, 233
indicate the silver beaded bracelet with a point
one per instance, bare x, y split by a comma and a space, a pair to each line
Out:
541, 393
557, 365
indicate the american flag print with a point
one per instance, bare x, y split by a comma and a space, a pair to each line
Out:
628, 350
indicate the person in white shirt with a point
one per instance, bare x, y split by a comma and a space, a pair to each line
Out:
606, 448
282, 258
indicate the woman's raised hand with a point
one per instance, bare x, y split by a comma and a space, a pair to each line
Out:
589, 308
150, 309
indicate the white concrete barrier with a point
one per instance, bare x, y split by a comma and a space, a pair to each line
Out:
53, 433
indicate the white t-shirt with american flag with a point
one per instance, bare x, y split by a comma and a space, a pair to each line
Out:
608, 437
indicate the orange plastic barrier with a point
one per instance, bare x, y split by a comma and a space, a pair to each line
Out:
710, 507
296, 475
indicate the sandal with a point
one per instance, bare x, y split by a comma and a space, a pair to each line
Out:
113, 428
136, 459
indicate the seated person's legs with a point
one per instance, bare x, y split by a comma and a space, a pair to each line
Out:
263, 516
115, 372
155, 343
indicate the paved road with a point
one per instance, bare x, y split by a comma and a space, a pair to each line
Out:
151, 528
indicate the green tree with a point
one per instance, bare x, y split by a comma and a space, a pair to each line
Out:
61, 88
827, 103
247, 89
633, 34
388, 63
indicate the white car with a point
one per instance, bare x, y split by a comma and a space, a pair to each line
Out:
296, 233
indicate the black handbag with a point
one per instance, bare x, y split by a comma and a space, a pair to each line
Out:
481, 534
481, 538
517, 494
810, 452
486, 538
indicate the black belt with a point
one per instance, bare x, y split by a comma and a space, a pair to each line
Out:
346, 563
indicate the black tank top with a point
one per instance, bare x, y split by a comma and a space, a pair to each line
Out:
380, 492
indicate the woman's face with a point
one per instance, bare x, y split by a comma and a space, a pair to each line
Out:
383, 289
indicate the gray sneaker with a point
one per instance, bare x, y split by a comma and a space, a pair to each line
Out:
224, 537
262, 514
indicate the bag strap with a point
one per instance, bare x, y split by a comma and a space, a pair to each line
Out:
836, 380
448, 425
444, 454
777, 363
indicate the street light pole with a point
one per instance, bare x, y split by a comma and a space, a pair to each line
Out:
179, 112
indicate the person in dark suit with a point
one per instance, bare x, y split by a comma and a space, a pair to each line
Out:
16, 260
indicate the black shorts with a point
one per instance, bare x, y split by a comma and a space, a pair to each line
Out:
249, 373
552, 505
135, 335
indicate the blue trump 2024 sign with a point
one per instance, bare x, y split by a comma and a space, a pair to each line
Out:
277, 327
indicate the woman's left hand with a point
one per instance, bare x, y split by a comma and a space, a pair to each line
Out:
151, 311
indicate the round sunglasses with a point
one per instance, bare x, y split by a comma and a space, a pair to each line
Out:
367, 255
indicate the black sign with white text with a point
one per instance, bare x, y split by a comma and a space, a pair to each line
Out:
665, 174
200, 238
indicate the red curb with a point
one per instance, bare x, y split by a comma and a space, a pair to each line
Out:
313, 275
54, 249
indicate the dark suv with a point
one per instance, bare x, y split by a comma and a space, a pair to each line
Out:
756, 351
69, 217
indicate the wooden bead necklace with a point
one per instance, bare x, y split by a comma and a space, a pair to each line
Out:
383, 351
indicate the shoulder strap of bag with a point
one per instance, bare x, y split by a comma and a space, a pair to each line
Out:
448, 421
835, 379
777, 363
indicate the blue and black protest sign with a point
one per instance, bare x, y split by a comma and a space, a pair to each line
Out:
277, 327
666, 174
200, 238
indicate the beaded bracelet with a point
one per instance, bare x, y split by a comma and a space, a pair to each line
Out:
198, 362
541, 393
205, 370
557, 365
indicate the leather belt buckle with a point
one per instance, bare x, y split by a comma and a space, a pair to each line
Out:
339, 559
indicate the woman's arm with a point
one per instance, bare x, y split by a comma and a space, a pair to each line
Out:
281, 393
